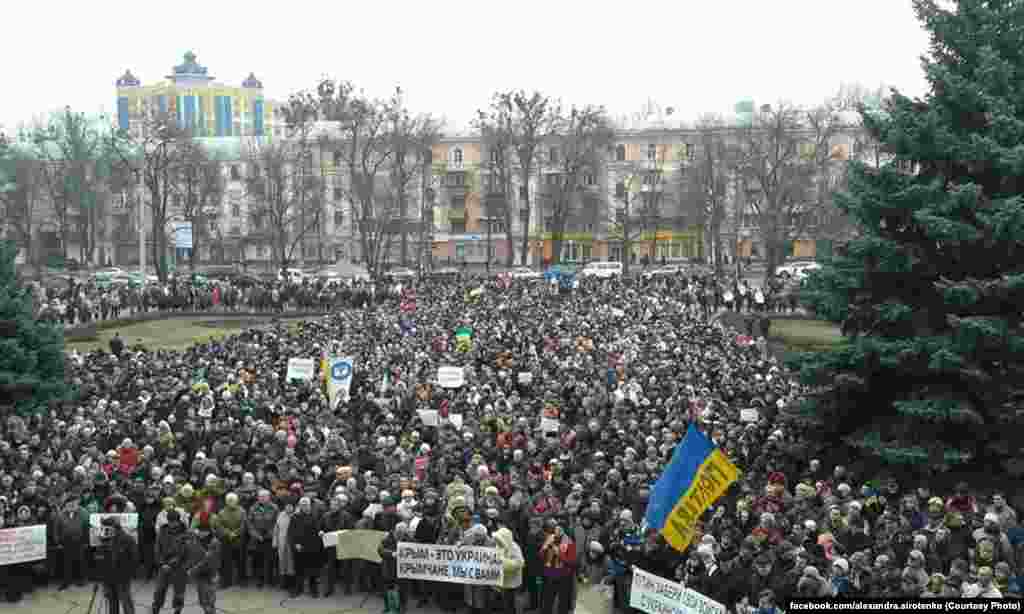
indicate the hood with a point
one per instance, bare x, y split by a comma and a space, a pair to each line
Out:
504, 537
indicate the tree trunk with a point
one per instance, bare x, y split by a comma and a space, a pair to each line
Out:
525, 194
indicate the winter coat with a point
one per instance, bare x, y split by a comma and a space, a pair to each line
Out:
285, 554
261, 520
512, 559
202, 560
304, 531
229, 525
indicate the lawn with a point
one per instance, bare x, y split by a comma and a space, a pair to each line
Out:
805, 335
170, 334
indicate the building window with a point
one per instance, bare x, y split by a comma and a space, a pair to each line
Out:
652, 152
456, 180
620, 190
457, 156
339, 218
553, 155
575, 251
337, 193
337, 158
458, 228
620, 153
235, 173
589, 179
691, 152
494, 155
236, 210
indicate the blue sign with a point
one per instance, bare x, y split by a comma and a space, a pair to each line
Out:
341, 371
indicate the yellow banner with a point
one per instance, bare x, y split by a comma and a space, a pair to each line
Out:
713, 478
360, 544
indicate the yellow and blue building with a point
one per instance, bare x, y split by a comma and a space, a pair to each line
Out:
198, 102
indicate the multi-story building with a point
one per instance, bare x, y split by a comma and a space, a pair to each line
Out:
191, 95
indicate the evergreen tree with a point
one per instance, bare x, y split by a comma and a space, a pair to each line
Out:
931, 292
31, 351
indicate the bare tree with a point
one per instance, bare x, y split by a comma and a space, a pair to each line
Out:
704, 188
154, 155
779, 162
284, 194
581, 137
411, 137
72, 147
22, 191
532, 119
497, 128
365, 149
201, 186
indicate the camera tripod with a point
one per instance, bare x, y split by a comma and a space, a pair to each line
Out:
104, 605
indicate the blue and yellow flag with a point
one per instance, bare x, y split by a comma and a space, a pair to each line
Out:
697, 476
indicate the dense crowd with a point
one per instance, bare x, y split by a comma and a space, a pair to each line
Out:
214, 440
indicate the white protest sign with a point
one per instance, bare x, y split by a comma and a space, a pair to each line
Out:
302, 369
339, 379
750, 414
549, 425
656, 595
129, 522
455, 420
451, 377
330, 539
22, 544
458, 564
428, 417
526, 378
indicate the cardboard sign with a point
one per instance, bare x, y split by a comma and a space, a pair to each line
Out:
750, 414
656, 595
361, 544
301, 369
451, 377
456, 564
429, 417
22, 544
526, 378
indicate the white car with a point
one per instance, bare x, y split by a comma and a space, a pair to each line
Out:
797, 270
293, 275
603, 270
401, 273
671, 269
523, 272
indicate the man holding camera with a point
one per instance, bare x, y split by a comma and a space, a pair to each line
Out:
117, 562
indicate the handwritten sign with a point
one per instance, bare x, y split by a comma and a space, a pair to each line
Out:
301, 369
656, 595
22, 544
750, 414
451, 377
457, 564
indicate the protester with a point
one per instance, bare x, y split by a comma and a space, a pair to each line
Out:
570, 404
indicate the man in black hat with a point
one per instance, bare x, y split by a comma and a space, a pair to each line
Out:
116, 565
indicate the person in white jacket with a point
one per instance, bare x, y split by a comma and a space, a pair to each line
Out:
512, 558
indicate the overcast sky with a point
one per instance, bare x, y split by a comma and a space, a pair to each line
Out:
693, 55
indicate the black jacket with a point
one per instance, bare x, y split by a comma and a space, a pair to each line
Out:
304, 531
116, 561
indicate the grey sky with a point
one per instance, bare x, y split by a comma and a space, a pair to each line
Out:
450, 56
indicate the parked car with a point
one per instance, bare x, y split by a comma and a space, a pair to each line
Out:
523, 272
671, 269
400, 273
293, 275
797, 270
603, 270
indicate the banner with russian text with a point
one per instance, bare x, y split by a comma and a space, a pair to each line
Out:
457, 564
656, 595
22, 544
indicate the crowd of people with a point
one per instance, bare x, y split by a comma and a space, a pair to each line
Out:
217, 452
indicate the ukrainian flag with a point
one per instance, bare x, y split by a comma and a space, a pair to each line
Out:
697, 476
